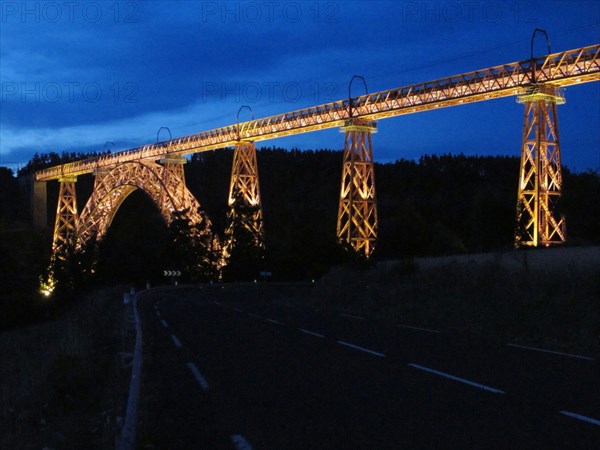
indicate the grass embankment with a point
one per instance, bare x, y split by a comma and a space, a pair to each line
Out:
551, 302
62, 381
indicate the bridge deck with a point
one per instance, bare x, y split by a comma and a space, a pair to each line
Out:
561, 69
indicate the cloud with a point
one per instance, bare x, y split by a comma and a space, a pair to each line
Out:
135, 130
191, 65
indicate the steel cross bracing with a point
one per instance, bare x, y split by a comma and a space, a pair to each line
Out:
65, 226
245, 207
357, 212
560, 69
539, 222
164, 184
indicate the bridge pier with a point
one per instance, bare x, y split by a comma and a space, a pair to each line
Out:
65, 225
244, 197
173, 178
539, 222
357, 213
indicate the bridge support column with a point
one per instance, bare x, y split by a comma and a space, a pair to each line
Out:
539, 221
174, 181
245, 207
357, 212
65, 226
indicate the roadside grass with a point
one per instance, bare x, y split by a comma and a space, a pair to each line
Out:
62, 384
554, 306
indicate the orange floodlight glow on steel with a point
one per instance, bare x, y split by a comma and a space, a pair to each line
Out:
538, 79
566, 68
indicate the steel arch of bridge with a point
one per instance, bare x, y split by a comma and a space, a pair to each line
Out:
164, 185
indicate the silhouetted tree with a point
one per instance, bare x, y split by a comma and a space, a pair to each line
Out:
190, 249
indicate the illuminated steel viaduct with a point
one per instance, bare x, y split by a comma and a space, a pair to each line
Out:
157, 169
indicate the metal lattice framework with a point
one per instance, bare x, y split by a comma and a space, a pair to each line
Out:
566, 68
540, 182
244, 187
65, 226
357, 213
165, 185
540, 179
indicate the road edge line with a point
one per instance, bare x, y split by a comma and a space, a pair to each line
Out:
128, 432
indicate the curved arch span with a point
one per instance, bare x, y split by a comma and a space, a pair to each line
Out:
165, 188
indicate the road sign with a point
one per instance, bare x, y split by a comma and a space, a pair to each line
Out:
172, 273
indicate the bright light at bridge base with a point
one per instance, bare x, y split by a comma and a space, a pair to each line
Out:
48, 286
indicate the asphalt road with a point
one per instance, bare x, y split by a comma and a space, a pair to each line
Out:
224, 369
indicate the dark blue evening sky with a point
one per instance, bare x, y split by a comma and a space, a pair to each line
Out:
75, 75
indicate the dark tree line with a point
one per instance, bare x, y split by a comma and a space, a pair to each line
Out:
438, 205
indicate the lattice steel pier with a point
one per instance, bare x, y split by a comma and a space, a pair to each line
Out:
66, 223
539, 220
357, 213
244, 187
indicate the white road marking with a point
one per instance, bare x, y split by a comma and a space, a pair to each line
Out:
238, 310
427, 330
199, 378
157, 314
570, 355
164, 324
312, 333
240, 442
254, 315
217, 303
353, 316
362, 349
176, 341
462, 380
580, 417
274, 321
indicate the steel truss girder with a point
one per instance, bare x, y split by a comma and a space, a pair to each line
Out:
540, 178
244, 186
357, 214
561, 69
65, 225
165, 185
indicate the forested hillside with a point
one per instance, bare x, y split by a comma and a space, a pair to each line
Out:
437, 205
